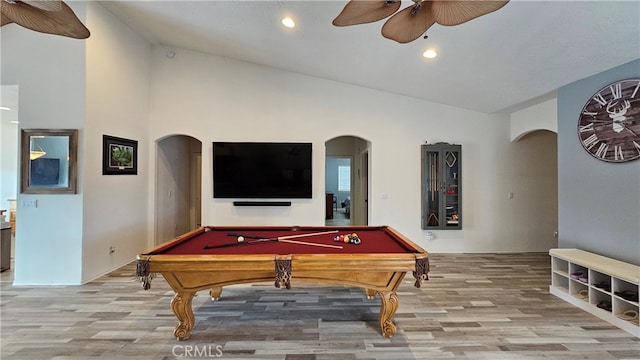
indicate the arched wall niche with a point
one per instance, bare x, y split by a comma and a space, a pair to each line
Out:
178, 185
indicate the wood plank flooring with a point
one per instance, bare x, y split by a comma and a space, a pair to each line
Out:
340, 218
475, 306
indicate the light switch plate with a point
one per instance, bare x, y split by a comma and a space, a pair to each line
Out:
30, 203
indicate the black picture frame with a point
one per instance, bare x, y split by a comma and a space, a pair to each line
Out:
119, 156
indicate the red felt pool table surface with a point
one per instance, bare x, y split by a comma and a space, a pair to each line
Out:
374, 240
378, 264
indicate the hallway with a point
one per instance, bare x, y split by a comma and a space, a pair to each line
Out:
339, 218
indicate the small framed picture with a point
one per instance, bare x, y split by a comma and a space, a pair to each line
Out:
119, 156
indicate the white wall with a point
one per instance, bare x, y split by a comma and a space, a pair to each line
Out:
542, 116
50, 73
8, 146
99, 86
115, 209
213, 98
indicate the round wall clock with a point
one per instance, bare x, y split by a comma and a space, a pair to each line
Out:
609, 124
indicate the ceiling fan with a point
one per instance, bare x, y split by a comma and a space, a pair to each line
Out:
413, 21
46, 16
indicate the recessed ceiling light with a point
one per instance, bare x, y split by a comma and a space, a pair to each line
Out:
288, 22
430, 53
5, 108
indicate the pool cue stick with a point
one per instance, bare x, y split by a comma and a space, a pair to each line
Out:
261, 240
207, 247
433, 176
284, 237
287, 238
306, 235
280, 239
310, 244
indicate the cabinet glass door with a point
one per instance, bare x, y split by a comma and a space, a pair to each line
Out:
432, 187
441, 198
451, 188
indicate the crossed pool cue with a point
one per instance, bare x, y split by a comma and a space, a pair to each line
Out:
284, 239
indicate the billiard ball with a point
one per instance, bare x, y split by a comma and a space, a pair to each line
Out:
240, 239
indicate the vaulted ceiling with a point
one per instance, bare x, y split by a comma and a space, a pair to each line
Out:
498, 62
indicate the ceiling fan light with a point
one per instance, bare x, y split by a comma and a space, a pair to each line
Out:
430, 54
288, 22
36, 154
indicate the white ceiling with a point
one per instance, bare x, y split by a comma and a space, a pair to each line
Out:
499, 62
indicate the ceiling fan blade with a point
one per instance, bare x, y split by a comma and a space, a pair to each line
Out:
365, 11
405, 27
49, 5
4, 20
63, 22
456, 12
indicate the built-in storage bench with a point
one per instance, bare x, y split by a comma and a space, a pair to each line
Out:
597, 284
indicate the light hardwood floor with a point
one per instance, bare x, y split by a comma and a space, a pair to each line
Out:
475, 306
340, 218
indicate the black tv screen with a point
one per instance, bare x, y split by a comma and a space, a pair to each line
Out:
261, 170
44, 172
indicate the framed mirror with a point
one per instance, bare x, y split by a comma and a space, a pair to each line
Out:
48, 161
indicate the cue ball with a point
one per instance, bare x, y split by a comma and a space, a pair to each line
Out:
240, 238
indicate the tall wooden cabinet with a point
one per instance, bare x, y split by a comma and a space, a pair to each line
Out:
328, 206
5, 248
441, 186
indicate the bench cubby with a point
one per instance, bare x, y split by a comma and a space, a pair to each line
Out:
604, 287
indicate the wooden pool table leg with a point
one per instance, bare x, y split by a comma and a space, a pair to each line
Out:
370, 293
215, 293
388, 308
181, 307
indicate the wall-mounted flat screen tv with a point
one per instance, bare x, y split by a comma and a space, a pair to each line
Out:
262, 170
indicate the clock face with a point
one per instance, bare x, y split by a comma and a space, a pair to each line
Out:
609, 124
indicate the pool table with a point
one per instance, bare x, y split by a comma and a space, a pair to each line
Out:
211, 257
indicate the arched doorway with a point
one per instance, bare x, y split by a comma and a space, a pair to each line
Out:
536, 186
178, 186
347, 180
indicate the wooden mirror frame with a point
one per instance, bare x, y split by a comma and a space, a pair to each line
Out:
25, 161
